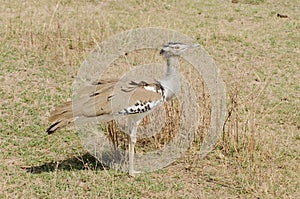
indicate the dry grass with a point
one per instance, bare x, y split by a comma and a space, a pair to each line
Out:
145, 142
43, 43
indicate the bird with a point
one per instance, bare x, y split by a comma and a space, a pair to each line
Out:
95, 100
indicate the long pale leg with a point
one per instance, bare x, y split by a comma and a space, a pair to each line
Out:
132, 142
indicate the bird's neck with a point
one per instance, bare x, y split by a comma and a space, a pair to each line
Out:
172, 67
171, 81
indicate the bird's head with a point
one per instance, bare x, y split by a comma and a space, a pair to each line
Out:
175, 49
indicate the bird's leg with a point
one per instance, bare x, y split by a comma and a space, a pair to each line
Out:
132, 142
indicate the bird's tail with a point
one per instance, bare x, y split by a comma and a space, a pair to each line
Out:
60, 117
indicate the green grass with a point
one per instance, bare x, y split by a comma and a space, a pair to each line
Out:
43, 43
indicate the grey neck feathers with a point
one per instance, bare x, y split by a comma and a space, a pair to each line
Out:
172, 66
171, 81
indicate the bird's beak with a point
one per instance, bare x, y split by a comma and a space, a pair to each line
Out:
161, 51
194, 45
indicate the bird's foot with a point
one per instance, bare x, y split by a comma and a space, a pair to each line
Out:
134, 173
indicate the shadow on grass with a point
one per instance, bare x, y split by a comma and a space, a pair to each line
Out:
82, 162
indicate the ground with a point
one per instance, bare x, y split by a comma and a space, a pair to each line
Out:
43, 43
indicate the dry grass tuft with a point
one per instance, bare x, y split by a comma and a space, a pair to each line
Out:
148, 143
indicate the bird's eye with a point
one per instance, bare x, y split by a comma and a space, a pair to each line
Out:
177, 47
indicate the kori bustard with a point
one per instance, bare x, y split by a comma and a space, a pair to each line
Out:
144, 97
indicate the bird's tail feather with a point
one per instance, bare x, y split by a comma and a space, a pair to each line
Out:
60, 117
